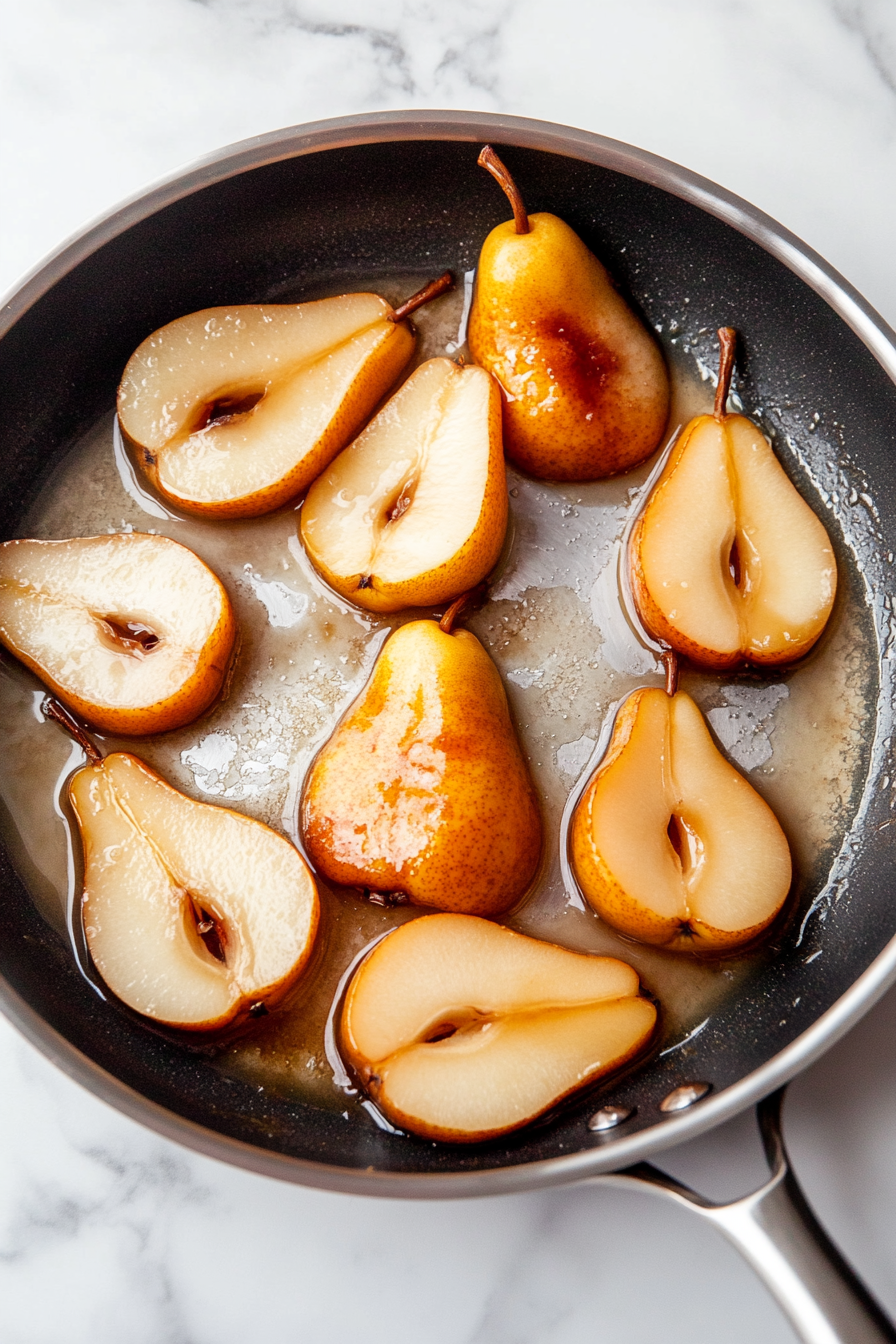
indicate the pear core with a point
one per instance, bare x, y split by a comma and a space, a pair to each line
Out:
669, 843
422, 789
159, 869
462, 1030
234, 411
132, 631
729, 563
414, 512
586, 392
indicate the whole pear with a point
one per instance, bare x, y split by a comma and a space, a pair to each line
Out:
586, 392
422, 789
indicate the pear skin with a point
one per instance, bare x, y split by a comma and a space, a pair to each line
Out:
586, 392
669, 843
422, 788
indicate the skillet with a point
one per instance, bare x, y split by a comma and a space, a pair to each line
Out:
400, 192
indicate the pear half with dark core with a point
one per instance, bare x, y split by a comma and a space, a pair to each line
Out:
414, 512
194, 915
462, 1030
669, 843
233, 412
729, 564
133, 631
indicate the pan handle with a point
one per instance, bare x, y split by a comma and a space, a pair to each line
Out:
778, 1234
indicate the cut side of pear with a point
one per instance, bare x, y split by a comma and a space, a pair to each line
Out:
462, 1030
423, 789
669, 843
729, 563
132, 631
192, 913
414, 512
232, 412
586, 392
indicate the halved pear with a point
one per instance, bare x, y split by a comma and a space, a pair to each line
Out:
461, 1030
422, 788
669, 843
193, 913
414, 512
132, 631
232, 412
729, 563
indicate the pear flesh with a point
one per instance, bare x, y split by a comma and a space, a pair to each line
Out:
414, 512
233, 412
586, 392
669, 843
157, 867
462, 1030
729, 563
423, 789
132, 631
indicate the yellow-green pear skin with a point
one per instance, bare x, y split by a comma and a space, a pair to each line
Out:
586, 392
423, 789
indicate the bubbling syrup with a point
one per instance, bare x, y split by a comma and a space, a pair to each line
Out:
561, 631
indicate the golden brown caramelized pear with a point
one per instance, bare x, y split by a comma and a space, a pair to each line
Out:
728, 562
461, 1030
422, 789
232, 412
586, 393
133, 631
195, 916
414, 512
669, 843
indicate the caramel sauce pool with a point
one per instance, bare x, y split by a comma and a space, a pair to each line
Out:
556, 628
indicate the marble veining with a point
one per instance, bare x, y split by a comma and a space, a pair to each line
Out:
109, 1233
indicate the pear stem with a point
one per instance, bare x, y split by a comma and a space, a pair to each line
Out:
435, 287
670, 663
52, 708
489, 160
727, 347
474, 595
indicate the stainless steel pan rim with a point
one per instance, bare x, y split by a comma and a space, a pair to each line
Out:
785, 247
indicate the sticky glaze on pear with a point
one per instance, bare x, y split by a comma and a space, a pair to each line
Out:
669, 843
586, 393
729, 564
414, 512
132, 631
193, 914
232, 412
461, 1030
422, 789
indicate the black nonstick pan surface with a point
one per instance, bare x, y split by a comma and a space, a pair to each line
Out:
396, 193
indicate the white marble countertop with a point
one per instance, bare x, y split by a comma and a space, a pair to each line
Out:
108, 1233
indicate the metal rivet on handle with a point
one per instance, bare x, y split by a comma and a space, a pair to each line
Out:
608, 1117
680, 1098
